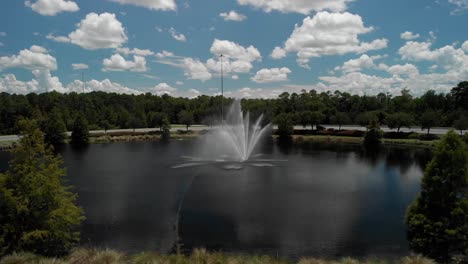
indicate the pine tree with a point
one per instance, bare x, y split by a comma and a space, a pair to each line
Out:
437, 220
80, 131
37, 212
54, 129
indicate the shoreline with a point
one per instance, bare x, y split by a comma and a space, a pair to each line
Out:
102, 138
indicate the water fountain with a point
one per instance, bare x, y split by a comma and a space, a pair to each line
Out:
231, 143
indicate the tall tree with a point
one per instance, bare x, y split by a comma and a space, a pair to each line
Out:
461, 124
285, 125
437, 220
37, 212
54, 129
80, 131
340, 118
399, 120
429, 120
186, 118
460, 93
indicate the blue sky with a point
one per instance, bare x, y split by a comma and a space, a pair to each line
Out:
270, 46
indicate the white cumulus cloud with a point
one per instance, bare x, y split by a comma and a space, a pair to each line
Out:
461, 5
330, 34
96, 31
297, 6
164, 88
271, 75
232, 16
278, 53
118, 63
407, 35
164, 5
449, 57
465, 46
235, 51
34, 58
52, 7
354, 65
177, 36
195, 69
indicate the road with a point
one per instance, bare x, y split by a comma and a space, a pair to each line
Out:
175, 128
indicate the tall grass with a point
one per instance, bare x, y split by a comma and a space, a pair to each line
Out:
198, 256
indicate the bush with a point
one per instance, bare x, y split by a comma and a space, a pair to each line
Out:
37, 212
396, 135
373, 136
285, 125
437, 219
428, 137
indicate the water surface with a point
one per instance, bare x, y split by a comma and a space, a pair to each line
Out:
324, 201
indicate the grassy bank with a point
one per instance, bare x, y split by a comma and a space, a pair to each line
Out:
182, 135
358, 140
200, 256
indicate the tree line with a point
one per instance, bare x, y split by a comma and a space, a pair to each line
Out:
308, 108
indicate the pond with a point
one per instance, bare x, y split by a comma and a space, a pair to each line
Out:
319, 200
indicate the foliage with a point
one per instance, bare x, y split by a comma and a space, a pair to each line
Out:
37, 212
54, 129
186, 118
285, 125
80, 131
340, 118
429, 120
460, 94
437, 220
133, 111
399, 120
461, 124
165, 130
157, 119
373, 136
367, 118
198, 256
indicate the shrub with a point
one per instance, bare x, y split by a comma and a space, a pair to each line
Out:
37, 212
437, 219
285, 125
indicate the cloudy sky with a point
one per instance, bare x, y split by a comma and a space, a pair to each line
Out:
269, 46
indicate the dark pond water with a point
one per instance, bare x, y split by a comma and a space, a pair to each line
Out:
324, 201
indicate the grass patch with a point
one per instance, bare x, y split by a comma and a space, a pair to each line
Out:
6, 144
198, 256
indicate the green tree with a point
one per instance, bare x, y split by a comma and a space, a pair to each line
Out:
365, 119
399, 120
461, 124
429, 120
460, 93
37, 212
166, 130
157, 119
437, 220
105, 125
285, 125
306, 118
54, 129
186, 118
373, 136
316, 118
340, 118
80, 131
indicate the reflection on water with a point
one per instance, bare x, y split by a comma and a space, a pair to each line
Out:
318, 199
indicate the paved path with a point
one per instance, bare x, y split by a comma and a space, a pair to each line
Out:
437, 130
